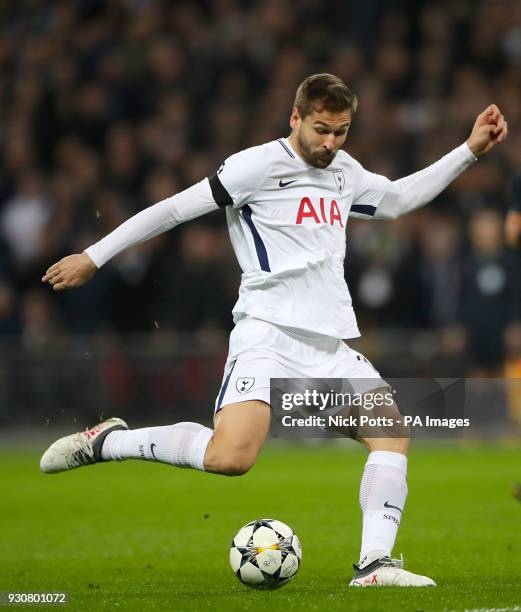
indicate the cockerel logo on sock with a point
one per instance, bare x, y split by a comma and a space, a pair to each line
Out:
244, 384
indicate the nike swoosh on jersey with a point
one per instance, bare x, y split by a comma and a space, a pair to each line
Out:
281, 184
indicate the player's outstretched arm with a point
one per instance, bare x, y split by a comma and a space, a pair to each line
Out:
76, 270
391, 199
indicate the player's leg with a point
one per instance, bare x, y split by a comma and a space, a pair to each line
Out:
383, 493
240, 431
383, 487
242, 416
231, 448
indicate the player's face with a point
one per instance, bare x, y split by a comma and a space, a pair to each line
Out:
319, 135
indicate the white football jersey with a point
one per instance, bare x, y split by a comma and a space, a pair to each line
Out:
287, 222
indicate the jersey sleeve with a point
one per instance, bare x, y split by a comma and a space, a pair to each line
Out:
184, 206
369, 192
379, 198
239, 177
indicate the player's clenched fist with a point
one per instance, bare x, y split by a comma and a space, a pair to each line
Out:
71, 271
489, 129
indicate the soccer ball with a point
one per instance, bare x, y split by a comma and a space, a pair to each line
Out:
265, 554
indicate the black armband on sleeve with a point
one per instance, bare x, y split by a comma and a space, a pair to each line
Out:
364, 209
220, 195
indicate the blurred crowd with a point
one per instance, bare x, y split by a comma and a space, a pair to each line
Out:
109, 106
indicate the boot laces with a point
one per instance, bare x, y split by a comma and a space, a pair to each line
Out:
84, 453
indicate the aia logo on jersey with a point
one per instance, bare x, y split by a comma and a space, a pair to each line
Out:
321, 213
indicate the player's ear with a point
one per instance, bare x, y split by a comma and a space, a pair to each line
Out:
294, 119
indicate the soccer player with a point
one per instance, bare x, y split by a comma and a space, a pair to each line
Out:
287, 205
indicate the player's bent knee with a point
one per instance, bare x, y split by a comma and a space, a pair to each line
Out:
231, 464
240, 431
237, 467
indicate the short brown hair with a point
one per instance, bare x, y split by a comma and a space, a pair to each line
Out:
329, 91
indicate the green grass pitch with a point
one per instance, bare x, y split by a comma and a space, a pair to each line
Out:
140, 536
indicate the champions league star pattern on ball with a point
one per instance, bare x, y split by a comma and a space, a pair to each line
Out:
265, 554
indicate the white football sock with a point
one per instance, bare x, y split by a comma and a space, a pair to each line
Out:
182, 444
383, 492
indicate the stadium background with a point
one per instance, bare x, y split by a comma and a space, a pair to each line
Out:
108, 107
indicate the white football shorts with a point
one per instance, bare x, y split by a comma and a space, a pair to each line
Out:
260, 351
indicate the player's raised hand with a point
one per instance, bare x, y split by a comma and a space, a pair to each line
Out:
489, 130
71, 271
